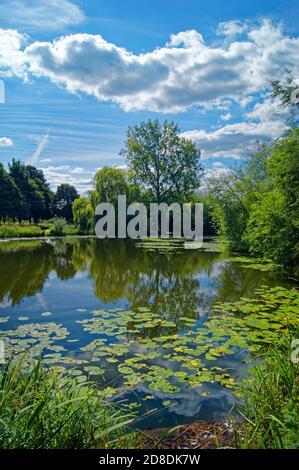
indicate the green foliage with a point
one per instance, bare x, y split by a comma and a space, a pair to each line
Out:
10, 195
63, 201
286, 90
273, 224
20, 231
36, 198
256, 208
57, 228
109, 184
162, 162
271, 403
83, 215
45, 409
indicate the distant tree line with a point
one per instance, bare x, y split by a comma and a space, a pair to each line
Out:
26, 195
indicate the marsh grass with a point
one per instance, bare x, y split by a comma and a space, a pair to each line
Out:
47, 409
20, 231
271, 399
56, 227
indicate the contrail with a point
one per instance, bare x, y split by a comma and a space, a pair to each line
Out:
42, 144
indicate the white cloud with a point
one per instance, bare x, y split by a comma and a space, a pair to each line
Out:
41, 14
183, 73
78, 170
226, 117
231, 28
12, 58
218, 170
80, 178
265, 122
5, 142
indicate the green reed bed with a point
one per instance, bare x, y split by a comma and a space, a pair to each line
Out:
56, 228
42, 408
20, 231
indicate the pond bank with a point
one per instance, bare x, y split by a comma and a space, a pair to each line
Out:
197, 435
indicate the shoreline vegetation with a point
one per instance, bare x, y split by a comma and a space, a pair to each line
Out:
36, 230
46, 408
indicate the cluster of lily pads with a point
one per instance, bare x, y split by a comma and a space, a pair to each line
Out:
143, 348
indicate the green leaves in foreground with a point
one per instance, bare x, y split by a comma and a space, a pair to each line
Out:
47, 409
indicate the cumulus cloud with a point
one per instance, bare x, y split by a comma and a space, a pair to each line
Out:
41, 14
231, 28
12, 58
5, 142
183, 73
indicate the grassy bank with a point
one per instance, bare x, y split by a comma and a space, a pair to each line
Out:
26, 230
271, 399
47, 409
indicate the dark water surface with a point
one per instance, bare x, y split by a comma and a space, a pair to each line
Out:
67, 279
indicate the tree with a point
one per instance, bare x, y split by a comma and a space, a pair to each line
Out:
83, 215
109, 184
273, 226
32, 194
10, 196
43, 209
161, 161
287, 91
256, 208
63, 201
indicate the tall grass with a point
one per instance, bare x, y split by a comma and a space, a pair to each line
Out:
46, 409
271, 400
20, 231
53, 228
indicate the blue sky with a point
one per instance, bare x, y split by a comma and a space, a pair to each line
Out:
78, 73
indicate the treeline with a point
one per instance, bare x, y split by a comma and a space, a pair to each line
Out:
257, 206
26, 195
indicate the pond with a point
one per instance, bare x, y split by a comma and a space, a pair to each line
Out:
134, 320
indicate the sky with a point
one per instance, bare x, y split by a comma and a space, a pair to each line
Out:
75, 74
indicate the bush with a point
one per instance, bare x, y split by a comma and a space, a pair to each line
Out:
57, 229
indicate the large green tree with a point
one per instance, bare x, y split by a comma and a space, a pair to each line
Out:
161, 161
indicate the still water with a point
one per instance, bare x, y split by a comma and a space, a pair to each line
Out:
102, 293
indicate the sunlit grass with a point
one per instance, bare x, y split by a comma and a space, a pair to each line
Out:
271, 400
47, 409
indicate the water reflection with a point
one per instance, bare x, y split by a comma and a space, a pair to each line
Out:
173, 285
71, 277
